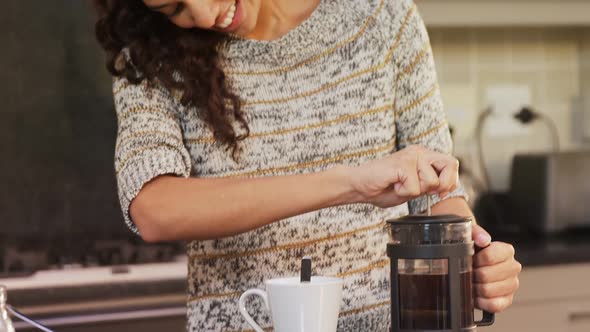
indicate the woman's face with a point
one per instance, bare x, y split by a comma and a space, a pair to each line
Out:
238, 17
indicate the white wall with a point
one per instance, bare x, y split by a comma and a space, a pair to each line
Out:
585, 84
546, 61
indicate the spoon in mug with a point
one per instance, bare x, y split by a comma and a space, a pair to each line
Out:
306, 269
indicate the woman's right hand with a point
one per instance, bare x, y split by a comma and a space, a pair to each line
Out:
404, 175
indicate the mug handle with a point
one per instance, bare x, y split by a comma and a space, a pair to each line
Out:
244, 312
487, 319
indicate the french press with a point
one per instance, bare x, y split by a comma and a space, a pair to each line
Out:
431, 274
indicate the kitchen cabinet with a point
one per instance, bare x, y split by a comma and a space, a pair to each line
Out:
490, 13
550, 299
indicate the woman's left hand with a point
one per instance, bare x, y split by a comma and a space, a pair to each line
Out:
496, 272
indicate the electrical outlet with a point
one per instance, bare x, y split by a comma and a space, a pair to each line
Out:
505, 100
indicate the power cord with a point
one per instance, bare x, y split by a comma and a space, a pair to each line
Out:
527, 115
481, 119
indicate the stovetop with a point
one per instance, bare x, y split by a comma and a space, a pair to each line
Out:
27, 258
56, 274
88, 289
84, 276
58, 265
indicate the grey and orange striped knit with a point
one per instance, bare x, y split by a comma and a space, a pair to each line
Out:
353, 82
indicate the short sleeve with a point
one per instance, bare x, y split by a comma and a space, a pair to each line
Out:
149, 139
420, 116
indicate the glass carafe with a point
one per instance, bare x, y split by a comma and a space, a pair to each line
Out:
432, 278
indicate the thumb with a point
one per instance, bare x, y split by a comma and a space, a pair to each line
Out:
480, 236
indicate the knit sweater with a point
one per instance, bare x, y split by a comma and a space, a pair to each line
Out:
353, 82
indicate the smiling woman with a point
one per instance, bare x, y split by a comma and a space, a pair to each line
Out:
226, 16
337, 95
160, 49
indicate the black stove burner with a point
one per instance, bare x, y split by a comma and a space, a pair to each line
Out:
22, 260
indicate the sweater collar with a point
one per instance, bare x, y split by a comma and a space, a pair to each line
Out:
327, 24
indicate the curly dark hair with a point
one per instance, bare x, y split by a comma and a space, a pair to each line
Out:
157, 49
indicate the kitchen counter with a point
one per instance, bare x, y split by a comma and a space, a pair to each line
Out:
532, 249
536, 250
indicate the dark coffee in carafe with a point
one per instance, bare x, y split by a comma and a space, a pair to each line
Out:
425, 301
431, 266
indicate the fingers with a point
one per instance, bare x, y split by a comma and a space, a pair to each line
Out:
498, 272
495, 253
448, 169
404, 175
496, 276
437, 172
409, 184
428, 178
496, 289
481, 238
494, 305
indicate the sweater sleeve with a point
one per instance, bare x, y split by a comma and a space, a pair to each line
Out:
419, 111
149, 140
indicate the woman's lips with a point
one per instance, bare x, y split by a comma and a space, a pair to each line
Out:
225, 20
233, 18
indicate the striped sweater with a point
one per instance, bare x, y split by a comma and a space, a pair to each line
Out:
355, 81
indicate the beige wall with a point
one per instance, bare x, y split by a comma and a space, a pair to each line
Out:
549, 61
585, 83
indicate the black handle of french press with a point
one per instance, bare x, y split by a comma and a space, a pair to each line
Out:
487, 319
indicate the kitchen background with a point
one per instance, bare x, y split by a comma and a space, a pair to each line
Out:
58, 208
57, 123
545, 67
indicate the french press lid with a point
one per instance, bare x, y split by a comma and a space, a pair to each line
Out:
424, 230
422, 219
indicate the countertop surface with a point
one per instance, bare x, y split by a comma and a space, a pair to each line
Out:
531, 250
496, 214
47, 288
536, 250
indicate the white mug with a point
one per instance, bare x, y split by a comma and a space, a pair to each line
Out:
297, 306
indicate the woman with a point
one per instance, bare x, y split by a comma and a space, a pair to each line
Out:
264, 131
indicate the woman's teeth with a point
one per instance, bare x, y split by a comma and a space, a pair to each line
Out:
229, 17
